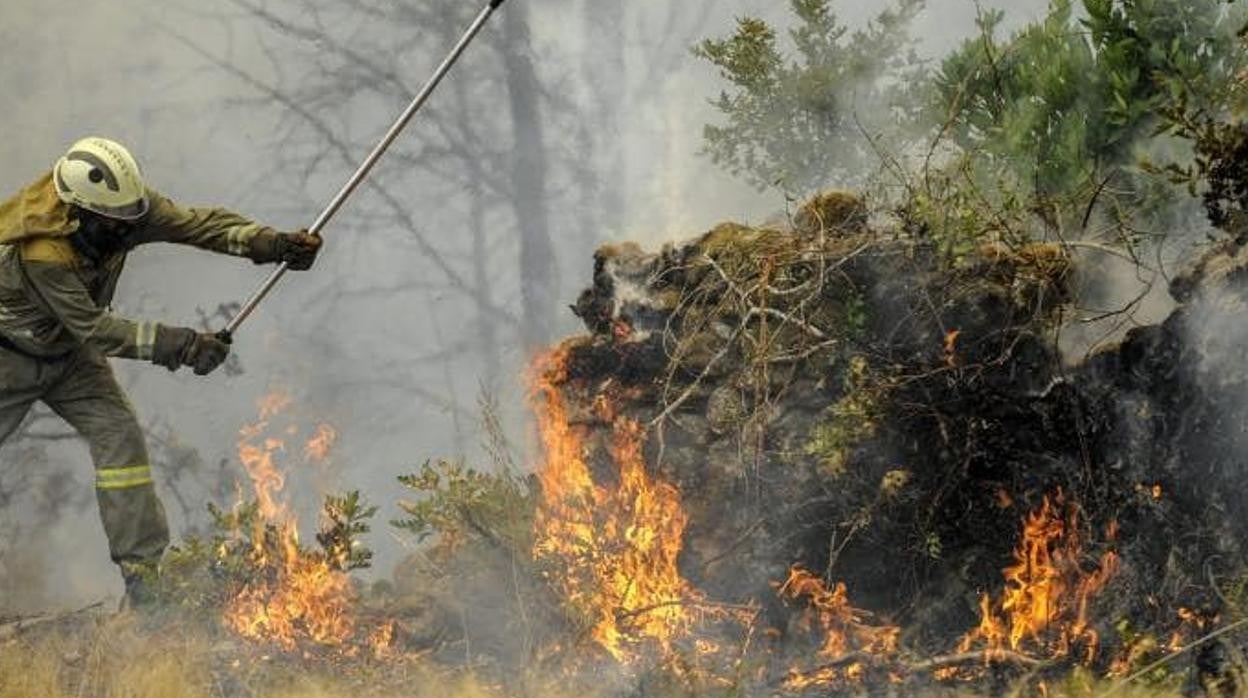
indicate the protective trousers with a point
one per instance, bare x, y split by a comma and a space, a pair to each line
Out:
81, 389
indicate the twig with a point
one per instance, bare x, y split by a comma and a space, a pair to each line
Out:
683, 602
1107, 249
925, 665
843, 660
749, 531
773, 312
998, 656
14, 627
741, 295
706, 370
1213, 582
1087, 215
803, 355
1182, 650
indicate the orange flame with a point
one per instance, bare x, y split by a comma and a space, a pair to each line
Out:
308, 598
951, 347
610, 549
382, 639
298, 594
844, 630
1047, 592
1191, 624
317, 448
274, 402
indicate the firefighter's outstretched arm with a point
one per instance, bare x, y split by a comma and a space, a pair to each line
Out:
49, 267
221, 230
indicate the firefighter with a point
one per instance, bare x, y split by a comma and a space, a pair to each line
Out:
63, 242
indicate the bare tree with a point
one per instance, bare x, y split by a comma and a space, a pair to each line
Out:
528, 178
482, 160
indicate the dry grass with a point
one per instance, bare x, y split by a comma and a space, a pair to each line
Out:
1077, 683
105, 657
30, 671
426, 687
123, 656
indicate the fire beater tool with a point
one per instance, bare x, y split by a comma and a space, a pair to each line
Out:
353, 183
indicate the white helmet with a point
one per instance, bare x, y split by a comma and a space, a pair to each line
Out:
101, 176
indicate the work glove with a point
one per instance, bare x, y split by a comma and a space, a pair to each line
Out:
179, 346
297, 250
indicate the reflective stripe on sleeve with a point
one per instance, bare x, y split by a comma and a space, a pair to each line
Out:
145, 340
123, 478
237, 241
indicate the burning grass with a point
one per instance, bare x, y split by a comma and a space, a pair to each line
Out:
734, 472
610, 550
609, 533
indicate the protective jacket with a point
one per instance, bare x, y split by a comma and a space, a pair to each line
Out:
54, 300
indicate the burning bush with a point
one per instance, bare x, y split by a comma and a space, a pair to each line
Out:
884, 407
254, 573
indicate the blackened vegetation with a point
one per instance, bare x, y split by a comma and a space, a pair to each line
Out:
1224, 152
852, 398
1220, 165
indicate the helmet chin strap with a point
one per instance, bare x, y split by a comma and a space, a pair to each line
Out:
95, 239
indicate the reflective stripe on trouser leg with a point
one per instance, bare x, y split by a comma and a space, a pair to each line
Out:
123, 478
134, 522
89, 398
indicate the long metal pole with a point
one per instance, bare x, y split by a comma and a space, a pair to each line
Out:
367, 165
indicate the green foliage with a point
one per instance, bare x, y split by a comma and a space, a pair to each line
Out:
1064, 99
1026, 101
963, 206
346, 520
1219, 163
240, 518
791, 120
848, 421
204, 572
854, 324
459, 504
1047, 124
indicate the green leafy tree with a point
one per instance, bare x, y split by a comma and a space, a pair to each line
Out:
459, 504
1046, 118
346, 522
794, 121
1065, 101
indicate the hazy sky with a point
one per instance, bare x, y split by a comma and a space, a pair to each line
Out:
203, 136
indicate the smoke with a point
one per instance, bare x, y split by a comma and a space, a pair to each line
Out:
375, 340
